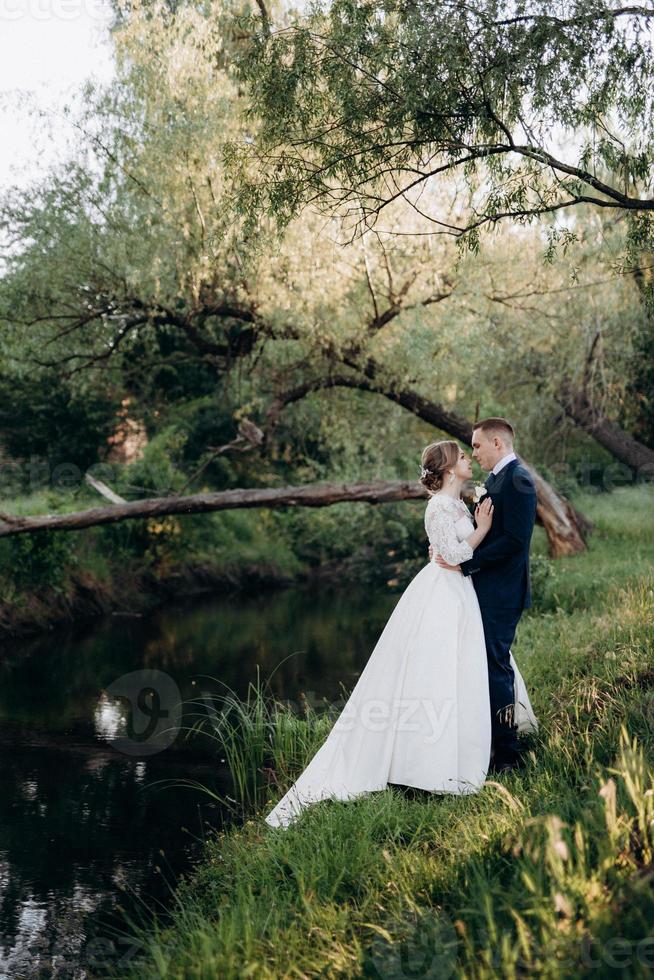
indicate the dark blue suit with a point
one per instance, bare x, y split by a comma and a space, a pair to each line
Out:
500, 574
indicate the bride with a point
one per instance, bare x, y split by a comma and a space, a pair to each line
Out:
419, 714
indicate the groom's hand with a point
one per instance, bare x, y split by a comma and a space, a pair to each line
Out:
443, 564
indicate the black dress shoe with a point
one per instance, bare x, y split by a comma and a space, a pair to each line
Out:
505, 765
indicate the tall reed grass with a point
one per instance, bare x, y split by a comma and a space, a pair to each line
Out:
262, 739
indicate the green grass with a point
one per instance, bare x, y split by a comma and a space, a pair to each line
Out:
621, 549
546, 872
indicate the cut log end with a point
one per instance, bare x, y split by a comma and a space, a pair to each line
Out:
563, 539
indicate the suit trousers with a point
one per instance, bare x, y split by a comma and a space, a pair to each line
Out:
499, 632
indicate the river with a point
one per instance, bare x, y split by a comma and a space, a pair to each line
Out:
95, 827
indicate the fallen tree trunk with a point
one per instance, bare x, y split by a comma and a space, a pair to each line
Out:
610, 436
565, 527
310, 495
551, 507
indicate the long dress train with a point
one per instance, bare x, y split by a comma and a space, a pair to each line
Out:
419, 714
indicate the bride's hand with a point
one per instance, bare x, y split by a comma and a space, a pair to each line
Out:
484, 514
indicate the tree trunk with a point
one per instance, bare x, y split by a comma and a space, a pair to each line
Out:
553, 511
309, 495
565, 527
619, 443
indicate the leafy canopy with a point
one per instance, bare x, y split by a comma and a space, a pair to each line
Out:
534, 107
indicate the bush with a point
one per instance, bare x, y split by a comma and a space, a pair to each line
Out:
544, 581
125, 539
41, 558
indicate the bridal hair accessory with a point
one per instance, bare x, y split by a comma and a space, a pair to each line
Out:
424, 472
480, 490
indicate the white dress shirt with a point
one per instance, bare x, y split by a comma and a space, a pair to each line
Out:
503, 462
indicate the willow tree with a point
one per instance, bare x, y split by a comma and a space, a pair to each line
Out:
564, 342
537, 108
132, 258
524, 111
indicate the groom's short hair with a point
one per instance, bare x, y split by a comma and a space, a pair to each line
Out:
496, 426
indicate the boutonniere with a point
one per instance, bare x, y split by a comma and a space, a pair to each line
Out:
479, 491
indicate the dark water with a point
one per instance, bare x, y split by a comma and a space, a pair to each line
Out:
92, 719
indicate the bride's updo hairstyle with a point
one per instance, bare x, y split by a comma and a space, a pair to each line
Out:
437, 459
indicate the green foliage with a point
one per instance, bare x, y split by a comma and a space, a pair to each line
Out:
367, 544
544, 579
640, 414
40, 559
124, 540
42, 417
175, 378
156, 472
420, 89
135, 274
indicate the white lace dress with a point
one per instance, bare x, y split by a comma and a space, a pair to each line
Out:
419, 714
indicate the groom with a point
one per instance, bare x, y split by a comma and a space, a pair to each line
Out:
499, 569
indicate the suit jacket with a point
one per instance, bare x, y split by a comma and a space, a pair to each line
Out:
500, 565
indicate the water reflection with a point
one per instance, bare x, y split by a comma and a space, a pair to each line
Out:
76, 828
109, 717
83, 828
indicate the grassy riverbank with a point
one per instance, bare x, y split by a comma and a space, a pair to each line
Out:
546, 872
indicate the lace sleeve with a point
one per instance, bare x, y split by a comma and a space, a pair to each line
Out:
439, 524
